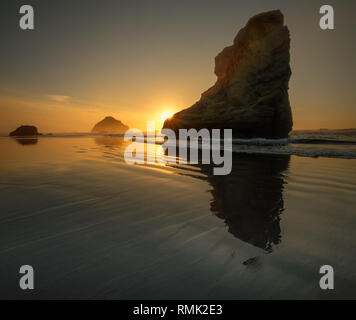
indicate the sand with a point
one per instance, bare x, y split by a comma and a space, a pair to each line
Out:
94, 227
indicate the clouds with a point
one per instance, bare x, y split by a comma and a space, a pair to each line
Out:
47, 114
58, 98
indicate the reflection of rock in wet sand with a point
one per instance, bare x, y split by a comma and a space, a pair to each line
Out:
109, 141
26, 142
250, 199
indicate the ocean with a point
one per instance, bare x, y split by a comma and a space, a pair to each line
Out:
306, 143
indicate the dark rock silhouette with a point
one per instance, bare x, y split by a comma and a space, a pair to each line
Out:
110, 125
24, 131
250, 95
250, 198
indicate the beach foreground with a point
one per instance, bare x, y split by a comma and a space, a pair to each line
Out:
92, 226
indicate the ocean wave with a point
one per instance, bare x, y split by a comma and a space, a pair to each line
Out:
297, 153
263, 141
327, 144
313, 152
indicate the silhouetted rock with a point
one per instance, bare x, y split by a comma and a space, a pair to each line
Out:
24, 131
110, 125
250, 95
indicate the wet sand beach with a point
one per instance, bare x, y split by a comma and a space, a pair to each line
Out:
93, 226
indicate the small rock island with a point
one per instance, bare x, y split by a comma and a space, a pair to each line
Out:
110, 125
250, 95
24, 131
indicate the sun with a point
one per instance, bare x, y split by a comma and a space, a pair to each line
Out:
166, 115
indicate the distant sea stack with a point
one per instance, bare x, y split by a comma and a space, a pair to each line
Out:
110, 125
250, 95
24, 131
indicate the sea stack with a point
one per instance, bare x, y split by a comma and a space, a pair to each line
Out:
24, 131
250, 95
110, 125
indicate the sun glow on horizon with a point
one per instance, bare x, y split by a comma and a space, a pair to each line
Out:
165, 115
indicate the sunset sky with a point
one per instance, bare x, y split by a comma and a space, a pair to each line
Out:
141, 60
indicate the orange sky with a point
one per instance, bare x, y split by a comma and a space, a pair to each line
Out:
138, 61
74, 116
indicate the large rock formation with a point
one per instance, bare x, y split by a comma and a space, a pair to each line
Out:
110, 125
24, 131
250, 95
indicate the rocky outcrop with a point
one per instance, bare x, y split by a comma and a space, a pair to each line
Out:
250, 95
24, 131
110, 125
